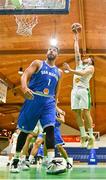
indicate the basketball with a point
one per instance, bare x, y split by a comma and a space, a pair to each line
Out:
76, 27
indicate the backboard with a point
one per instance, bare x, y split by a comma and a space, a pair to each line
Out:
34, 7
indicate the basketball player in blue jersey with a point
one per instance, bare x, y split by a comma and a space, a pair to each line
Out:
40, 85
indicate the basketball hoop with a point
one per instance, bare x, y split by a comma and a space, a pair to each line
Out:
25, 24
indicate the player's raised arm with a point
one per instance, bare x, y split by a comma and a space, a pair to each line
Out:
76, 28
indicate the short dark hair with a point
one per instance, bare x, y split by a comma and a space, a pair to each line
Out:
92, 59
55, 48
83, 56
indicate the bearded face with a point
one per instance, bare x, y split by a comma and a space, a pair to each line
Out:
51, 57
52, 54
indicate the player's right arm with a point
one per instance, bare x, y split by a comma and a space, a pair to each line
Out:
76, 49
34, 66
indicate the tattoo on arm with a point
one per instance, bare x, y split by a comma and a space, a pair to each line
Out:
78, 57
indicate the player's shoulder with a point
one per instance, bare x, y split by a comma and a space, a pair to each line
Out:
36, 62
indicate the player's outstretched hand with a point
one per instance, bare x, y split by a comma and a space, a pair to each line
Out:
66, 67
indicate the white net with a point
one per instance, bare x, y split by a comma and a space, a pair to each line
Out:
25, 24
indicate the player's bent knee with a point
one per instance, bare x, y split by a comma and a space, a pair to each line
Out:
29, 137
38, 142
49, 137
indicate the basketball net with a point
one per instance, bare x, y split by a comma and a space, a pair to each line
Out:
25, 24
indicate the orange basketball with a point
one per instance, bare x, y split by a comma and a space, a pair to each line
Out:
76, 27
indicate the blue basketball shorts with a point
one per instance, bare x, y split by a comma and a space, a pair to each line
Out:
58, 137
40, 136
40, 107
40, 151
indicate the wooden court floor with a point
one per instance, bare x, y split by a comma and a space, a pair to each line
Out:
39, 172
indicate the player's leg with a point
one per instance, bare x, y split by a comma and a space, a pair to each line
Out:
24, 153
76, 105
45, 158
40, 154
15, 166
50, 142
59, 144
26, 145
85, 104
26, 122
36, 146
54, 166
64, 155
11, 155
88, 120
48, 122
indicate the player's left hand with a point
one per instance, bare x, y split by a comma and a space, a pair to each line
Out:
66, 67
63, 113
28, 93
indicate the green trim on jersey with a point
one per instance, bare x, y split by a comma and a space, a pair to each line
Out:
42, 94
89, 99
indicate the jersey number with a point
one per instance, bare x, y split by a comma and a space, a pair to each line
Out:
49, 82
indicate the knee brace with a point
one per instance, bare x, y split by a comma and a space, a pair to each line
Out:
49, 137
21, 141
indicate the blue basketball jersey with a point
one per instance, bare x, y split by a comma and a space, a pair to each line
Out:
45, 80
57, 124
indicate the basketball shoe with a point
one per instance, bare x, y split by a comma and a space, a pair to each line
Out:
56, 167
91, 142
84, 141
15, 166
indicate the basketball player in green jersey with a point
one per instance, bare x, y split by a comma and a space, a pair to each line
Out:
80, 95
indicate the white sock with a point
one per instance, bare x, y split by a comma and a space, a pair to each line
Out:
17, 155
23, 158
31, 157
9, 161
82, 131
50, 156
45, 158
90, 131
67, 160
